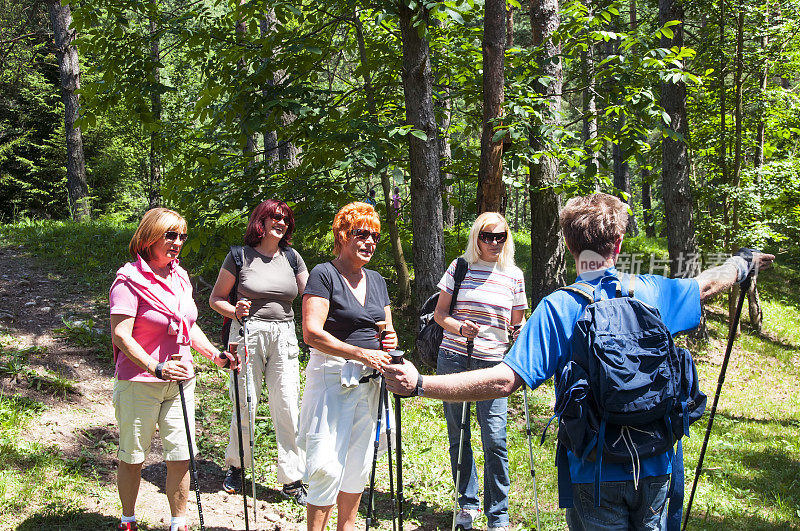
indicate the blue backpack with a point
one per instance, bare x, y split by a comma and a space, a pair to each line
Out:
628, 393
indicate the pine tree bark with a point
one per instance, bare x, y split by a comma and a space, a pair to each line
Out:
403, 277
491, 191
548, 258
70, 75
426, 183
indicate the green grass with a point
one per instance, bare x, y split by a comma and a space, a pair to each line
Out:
34, 475
750, 478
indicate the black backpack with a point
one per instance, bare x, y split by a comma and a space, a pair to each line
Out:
429, 337
237, 252
629, 392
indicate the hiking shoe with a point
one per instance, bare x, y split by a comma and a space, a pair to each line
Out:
295, 491
233, 480
128, 526
500, 528
465, 517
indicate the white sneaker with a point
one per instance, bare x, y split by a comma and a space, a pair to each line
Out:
501, 528
465, 517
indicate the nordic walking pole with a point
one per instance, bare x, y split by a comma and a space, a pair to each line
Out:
389, 447
743, 287
192, 464
251, 420
397, 357
464, 409
374, 458
528, 432
232, 349
530, 454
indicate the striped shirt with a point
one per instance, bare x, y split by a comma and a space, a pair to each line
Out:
486, 297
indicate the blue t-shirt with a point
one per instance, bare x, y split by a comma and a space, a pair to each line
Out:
542, 349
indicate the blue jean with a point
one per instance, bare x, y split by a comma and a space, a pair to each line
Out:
492, 421
622, 506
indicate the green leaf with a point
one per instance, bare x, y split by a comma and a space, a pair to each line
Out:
420, 134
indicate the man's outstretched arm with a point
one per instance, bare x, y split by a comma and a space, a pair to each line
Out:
481, 384
735, 269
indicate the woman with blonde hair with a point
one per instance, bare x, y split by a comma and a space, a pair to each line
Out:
342, 304
153, 328
490, 301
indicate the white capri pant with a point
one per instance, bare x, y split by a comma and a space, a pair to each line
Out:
273, 351
337, 429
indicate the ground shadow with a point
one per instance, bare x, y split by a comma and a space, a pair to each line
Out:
772, 477
72, 520
209, 476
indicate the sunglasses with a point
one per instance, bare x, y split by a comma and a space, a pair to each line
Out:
363, 234
278, 217
489, 237
172, 235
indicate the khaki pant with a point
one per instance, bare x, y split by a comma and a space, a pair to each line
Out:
273, 350
140, 407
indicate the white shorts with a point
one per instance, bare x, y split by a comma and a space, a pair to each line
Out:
337, 429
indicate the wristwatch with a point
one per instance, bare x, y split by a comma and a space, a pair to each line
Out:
418, 390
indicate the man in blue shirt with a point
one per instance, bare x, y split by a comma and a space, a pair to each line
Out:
593, 228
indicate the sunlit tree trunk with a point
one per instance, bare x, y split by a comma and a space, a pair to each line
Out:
547, 257
681, 239
426, 184
70, 75
737, 158
589, 119
444, 107
753, 302
250, 142
154, 186
491, 191
403, 278
270, 135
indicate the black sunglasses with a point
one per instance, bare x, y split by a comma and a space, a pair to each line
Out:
363, 234
172, 235
278, 217
489, 237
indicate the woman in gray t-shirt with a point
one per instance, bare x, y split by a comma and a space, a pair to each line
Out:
272, 274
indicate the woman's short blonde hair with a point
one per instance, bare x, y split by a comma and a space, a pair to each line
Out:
354, 215
151, 229
472, 253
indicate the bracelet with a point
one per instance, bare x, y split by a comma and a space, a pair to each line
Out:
159, 371
459, 330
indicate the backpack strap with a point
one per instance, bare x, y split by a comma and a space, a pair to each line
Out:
676, 481
582, 289
237, 253
291, 256
458, 278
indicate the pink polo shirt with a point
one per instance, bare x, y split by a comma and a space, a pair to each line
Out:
153, 329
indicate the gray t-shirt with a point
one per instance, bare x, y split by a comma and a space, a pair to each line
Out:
269, 283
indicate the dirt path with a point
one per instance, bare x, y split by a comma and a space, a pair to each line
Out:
32, 303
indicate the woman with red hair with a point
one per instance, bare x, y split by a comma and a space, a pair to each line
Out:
342, 304
270, 276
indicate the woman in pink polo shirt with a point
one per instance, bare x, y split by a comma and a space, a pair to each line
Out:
153, 329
